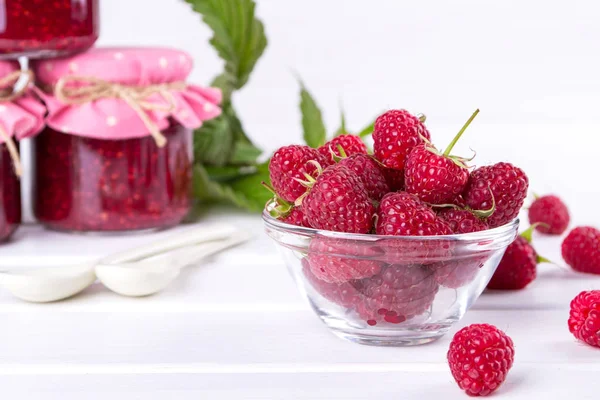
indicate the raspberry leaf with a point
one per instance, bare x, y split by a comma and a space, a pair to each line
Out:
238, 37
367, 130
312, 119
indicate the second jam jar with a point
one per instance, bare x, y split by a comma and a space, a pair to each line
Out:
47, 28
98, 167
21, 116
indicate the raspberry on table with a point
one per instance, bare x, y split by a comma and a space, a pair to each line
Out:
584, 317
290, 163
551, 214
480, 357
518, 267
502, 184
581, 249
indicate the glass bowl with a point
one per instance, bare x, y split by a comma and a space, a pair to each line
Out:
390, 290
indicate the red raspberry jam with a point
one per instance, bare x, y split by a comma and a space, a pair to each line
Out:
47, 28
10, 196
85, 184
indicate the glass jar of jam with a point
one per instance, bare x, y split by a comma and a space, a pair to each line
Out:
47, 28
116, 154
21, 116
10, 195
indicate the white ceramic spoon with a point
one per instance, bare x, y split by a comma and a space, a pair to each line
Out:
42, 285
151, 276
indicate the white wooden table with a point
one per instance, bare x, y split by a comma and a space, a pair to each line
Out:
235, 327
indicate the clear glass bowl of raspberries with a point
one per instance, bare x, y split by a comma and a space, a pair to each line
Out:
390, 290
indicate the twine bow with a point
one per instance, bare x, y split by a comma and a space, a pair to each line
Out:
80, 89
8, 93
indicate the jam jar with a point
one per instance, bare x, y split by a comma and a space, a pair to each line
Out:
21, 116
116, 153
10, 195
47, 28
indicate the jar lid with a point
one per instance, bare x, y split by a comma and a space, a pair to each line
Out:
124, 65
122, 93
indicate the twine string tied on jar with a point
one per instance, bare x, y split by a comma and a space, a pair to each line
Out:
76, 90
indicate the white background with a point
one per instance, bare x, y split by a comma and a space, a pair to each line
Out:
532, 67
236, 327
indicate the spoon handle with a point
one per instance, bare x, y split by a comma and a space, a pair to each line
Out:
189, 255
203, 234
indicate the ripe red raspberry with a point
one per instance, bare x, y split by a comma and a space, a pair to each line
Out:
338, 201
480, 357
351, 144
398, 293
584, 318
435, 177
403, 214
295, 217
552, 214
462, 221
508, 185
581, 249
457, 273
395, 133
290, 163
518, 267
340, 260
344, 294
369, 173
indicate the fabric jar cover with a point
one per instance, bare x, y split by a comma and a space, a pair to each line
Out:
110, 116
21, 113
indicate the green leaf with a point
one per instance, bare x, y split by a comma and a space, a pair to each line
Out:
312, 119
238, 36
367, 130
213, 142
342, 129
244, 153
244, 192
227, 173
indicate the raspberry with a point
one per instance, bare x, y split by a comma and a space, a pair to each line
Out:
395, 134
295, 217
435, 177
457, 273
403, 214
338, 201
340, 260
462, 221
480, 357
369, 173
518, 267
290, 163
344, 294
351, 144
397, 294
508, 185
552, 214
584, 318
581, 249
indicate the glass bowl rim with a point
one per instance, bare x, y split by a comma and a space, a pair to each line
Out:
489, 234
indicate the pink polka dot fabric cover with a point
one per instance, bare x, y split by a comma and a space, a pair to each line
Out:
22, 117
113, 118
